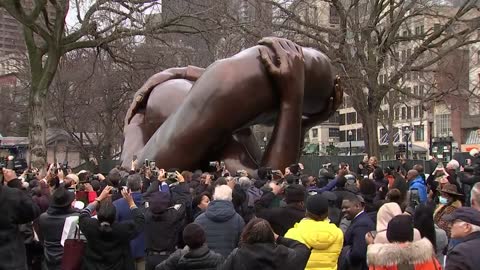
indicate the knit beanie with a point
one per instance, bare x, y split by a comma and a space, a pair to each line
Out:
295, 193
317, 205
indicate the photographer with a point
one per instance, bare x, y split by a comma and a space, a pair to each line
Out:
164, 221
108, 242
137, 245
17, 208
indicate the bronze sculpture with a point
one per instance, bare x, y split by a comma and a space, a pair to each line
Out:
184, 117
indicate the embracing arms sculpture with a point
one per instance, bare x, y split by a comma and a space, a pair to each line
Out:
185, 117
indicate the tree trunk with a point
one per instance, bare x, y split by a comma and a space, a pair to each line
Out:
370, 126
391, 135
38, 130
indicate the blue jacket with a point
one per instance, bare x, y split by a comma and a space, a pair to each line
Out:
419, 185
222, 226
355, 238
137, 245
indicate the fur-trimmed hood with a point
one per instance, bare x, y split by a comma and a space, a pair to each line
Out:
395, 254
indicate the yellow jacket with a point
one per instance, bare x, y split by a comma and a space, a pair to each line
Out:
325, 240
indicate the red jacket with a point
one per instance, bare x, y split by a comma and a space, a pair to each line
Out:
418, 255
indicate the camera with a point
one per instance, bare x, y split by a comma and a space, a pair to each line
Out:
414, 198
171, 176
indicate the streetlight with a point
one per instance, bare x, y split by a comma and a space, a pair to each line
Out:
350, 133
407, 132
265, 141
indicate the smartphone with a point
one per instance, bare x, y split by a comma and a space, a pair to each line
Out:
147, 163
152, 165
71, 190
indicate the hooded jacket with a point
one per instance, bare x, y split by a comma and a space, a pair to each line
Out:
287, 255
222, 226
325, 240
418, 255
385, 214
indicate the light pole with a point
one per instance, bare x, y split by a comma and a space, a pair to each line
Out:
350, 133
407, 132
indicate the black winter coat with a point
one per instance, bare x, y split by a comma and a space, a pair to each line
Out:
51, 227
287, 255
196, 259
109, 250
282, 218
162, 229
16, 207
464, 256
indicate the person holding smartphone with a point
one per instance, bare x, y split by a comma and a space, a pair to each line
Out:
123, 213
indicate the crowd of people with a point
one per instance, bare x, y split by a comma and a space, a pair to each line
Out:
343, 218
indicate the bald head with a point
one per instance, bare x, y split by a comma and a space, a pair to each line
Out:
412, 174
475, 196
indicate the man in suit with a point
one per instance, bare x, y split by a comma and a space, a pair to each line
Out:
354, 246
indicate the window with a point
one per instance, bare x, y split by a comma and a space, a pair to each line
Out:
352, 118
314, 132
333, 132
404, 113
419, 30
381, 79
408, 76
421, 90
442, 125
396, 113
416, 114
342, 136
409, 113
419, 133
415, 90
342, 119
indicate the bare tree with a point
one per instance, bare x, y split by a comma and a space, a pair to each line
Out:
47, 39
92, 94
367, 39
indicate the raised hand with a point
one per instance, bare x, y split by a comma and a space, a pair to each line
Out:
287, 66
127, 195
